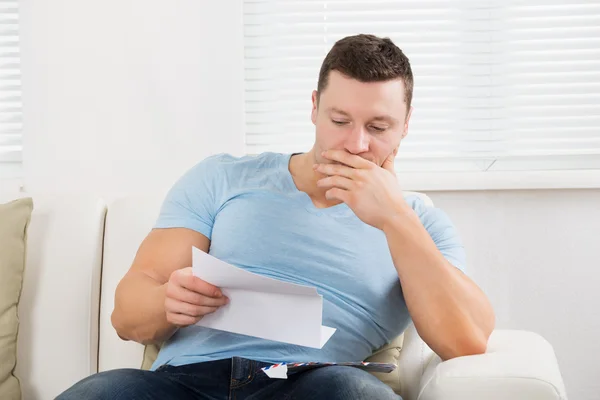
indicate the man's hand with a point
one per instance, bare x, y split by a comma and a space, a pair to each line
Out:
189, 298
371, 191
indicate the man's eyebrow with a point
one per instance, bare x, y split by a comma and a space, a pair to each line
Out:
386, 118
338, 111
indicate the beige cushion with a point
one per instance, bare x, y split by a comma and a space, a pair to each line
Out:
14, 220
389, 353
150, 354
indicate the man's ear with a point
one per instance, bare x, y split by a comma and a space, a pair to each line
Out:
315, 107
405, 127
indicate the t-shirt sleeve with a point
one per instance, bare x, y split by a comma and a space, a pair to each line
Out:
442, 231
193, 201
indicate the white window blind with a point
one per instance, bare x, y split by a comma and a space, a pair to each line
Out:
10, 87
499, 85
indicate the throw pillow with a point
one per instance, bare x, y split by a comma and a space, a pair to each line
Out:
389, 354
150, 354
14, 220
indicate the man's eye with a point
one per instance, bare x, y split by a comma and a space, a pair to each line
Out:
338, 122
378, 128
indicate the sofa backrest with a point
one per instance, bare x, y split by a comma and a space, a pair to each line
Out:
128, 221
74, 246
58, 309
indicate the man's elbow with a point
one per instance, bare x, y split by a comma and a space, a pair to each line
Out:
118, 325
473, 339
467, 344
473, 346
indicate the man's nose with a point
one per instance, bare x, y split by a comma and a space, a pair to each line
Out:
358, 141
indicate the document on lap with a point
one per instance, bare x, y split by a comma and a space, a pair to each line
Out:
281, 370
261, 306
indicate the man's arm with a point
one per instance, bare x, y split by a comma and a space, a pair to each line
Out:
158, 294
451, 314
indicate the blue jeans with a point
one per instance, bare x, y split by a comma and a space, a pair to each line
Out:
236, 378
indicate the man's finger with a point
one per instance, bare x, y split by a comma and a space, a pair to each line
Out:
389, 162
336, 181
180, 319
188, 296
351, 160
197, 285
335, 169
338, 194
190, 309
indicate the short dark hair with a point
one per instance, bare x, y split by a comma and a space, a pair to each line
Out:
368, 58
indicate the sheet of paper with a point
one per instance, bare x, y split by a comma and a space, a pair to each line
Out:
261, 306
278, 371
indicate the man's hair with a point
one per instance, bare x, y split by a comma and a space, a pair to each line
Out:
367, 58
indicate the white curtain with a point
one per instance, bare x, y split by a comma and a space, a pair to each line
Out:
499, 85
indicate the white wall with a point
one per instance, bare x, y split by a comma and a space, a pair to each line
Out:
120, 96
537, 256
9, 188
124, 96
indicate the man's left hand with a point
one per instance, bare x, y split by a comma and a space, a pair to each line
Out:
371, 191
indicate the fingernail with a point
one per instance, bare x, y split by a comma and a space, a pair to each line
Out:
218, 294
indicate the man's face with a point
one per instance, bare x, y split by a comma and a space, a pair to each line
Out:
366, 119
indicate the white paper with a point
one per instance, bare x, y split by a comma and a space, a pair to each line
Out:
261, 306
277, 372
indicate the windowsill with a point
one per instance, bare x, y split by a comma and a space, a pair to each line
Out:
456, 181
500, 180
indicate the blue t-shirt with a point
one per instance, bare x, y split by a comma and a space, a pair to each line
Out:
258, 220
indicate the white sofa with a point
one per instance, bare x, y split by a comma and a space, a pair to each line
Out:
79, 248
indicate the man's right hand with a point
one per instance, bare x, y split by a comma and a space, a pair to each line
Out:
189, 298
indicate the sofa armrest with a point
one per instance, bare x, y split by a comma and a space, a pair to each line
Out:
59, 304
517, 365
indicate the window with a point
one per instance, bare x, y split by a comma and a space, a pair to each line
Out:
499, 85
10, 91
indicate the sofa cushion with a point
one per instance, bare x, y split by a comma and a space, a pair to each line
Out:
150, 354
14, 220
389, 353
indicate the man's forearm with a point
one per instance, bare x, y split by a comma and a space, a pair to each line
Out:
139, 312
451, 314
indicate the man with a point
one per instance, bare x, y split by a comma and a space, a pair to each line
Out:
335, 218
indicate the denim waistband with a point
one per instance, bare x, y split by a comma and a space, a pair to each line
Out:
243, 370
